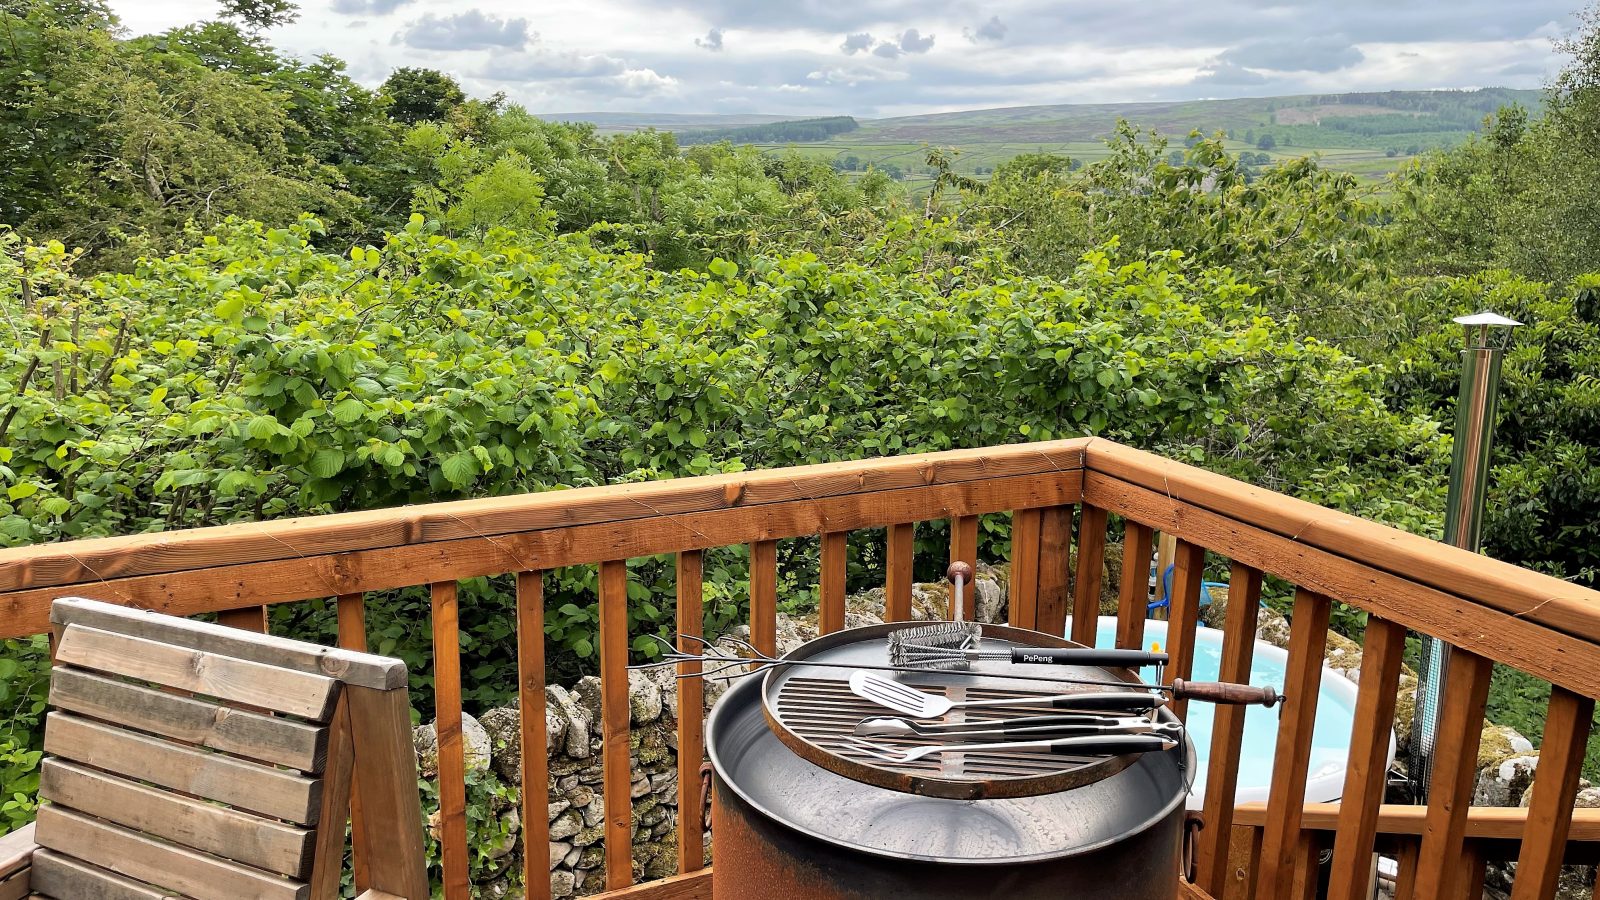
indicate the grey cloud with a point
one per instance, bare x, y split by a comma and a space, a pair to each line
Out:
992, 30
856, 43
886, 50
912, 42
1309, 54
1226, 74
542, 64
471, 30
362, 7
712, 41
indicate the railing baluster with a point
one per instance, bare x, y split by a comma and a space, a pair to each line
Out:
1566, 734
1244, 853
351, 613
691, 702
1455, 760
964, 548
249, 618
1133, 601
1405, 884
764, 596
1227, 730
1474, 871
1366, 770
615, 777
1307, 853
835, 566
1055, 549
897, 580
452, 752
1091, 565
1184, 615
1308, 635
532, 739
1023, 597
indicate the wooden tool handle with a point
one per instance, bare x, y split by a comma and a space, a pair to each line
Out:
1224, 692
961, 570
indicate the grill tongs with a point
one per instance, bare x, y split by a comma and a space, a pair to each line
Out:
1019, 727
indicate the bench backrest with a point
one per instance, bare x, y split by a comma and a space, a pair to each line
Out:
190, 759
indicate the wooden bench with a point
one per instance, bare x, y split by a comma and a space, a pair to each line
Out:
185, 759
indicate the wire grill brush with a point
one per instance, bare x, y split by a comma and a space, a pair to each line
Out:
955, 645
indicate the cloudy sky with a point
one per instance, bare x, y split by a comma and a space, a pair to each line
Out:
897, 57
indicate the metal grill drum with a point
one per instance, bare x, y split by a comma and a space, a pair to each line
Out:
786, 826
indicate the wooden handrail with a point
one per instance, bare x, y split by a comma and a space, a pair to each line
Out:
1483, 822
1492, 611
101, 559
1534, 596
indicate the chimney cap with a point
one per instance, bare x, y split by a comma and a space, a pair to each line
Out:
1487, 318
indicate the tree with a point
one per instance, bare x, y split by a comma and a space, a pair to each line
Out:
421, 95
1267, 142
261, 14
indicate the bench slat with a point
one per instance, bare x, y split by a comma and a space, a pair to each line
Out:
279, 741
224, 677
261, 789
62, 876
229, 833
135, 856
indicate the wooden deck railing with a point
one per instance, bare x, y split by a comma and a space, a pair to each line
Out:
1492, 611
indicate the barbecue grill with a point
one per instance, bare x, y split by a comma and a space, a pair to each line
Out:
800, 811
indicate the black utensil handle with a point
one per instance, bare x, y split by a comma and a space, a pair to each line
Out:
1129, 701
1086, 718
1087, 656
1055, 731
1110, 744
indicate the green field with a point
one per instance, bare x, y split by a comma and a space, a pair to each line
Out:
1369, 135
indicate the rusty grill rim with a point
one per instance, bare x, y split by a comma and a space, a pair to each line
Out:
725, 708
882, 776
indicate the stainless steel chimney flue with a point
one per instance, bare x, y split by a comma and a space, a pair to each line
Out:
1487, 335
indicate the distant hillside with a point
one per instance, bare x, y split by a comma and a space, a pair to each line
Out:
615, 121
774, 132
1368, 134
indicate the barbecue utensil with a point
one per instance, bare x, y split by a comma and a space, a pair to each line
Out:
949, 645
1115, 745
1086, 726
923, 705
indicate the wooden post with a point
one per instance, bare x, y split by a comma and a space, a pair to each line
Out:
964, 548
1133, 601
614, 711
763, 597
1308, 635
835, 563
1185, 616
351, 612
532, 740
1455, 762
897, 580
385, 774
452, 751
1566, 735
1055, 548
691, 702
249, 618
1023, 597
1227, 730
1366, 770
1089, 576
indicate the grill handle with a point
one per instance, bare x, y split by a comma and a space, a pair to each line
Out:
1076, 656
1225, 693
